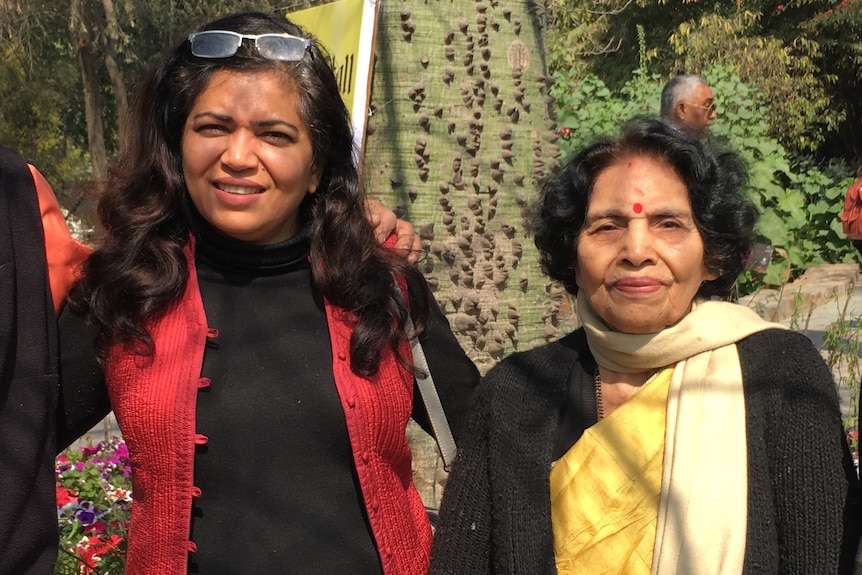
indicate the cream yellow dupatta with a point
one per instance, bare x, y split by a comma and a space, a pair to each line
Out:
702, 514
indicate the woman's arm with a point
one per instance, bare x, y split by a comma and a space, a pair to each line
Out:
455, 376
462, 542
802, 478
83, 396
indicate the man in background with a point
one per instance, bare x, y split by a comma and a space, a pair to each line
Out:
688, 104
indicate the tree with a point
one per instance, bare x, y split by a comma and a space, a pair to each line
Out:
461, 132
39, 115
803, 55
83, 40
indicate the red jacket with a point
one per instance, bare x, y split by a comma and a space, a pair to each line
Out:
154, 399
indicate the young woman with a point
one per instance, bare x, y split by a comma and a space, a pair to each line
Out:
251, 330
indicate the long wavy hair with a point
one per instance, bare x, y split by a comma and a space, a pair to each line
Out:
715, 180
140, 268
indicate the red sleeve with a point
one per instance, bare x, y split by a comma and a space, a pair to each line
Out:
854, 191
64, 253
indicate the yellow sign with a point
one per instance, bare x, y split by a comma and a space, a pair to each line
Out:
337, 27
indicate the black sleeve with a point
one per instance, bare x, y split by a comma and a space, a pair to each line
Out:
83, 395
803, 489
462, 542
455, 376
495, 516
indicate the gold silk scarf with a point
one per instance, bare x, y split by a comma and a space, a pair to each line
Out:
702, 514
605, 489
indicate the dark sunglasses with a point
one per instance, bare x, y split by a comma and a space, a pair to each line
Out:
224, 44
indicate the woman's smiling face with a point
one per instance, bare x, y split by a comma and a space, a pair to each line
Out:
247, 155
639, 254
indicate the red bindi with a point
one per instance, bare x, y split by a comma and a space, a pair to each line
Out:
637, 208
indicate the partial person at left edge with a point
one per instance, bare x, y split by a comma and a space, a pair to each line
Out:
33, 285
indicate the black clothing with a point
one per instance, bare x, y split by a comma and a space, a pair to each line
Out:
306, 510
803, 496
305, 514
29, 379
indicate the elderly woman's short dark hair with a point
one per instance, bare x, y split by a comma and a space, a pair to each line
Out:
716, 182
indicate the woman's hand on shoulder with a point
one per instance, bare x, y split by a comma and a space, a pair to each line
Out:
386, 223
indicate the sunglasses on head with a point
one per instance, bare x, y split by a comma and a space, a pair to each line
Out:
224, 44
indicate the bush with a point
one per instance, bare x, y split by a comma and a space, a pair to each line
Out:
799, 200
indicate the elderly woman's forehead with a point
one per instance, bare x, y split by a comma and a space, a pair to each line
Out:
636, 158
638, 162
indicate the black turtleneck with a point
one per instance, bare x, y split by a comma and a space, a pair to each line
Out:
279, 492
279, 489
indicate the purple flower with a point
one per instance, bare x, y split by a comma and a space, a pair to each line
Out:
90, 451
85, 514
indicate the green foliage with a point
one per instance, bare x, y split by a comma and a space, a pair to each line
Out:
588, 109
799, 201
799, 113
37, 117
593, 110
580, 30
804, 56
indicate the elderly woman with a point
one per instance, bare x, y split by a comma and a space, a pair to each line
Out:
672, 433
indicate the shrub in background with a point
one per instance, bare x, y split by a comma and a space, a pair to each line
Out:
799, 200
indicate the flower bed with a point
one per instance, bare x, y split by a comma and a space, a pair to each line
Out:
94, 501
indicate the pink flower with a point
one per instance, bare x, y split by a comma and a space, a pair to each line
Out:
90, 451
96, 528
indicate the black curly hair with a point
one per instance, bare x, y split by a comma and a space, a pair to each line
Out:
716, 181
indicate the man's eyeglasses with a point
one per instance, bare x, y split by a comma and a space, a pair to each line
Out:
709, 109
224, 44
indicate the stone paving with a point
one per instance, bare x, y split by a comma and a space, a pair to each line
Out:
815, 288
811, 304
